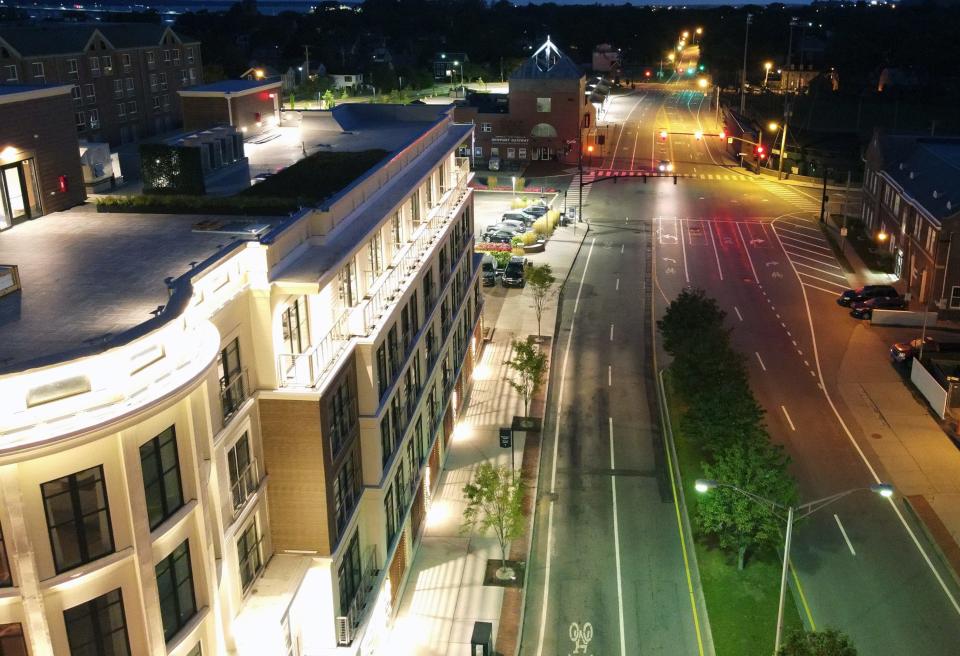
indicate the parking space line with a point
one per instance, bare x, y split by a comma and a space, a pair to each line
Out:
826, 263
819, 289
804, 227
829, 282
737, 310
789, 245
747, 251
760, 360
800, 234
715, 253
683, 249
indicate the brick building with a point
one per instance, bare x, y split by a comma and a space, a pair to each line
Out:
124, 77
540, 118
248, 105
911, 203
39, 154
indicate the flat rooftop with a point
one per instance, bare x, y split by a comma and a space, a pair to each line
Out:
227, 87
86, 276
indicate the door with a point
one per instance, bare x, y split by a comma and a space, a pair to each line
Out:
18, 188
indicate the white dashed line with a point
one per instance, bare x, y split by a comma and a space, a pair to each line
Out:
759, 359
737, 310
787, 415
845, 538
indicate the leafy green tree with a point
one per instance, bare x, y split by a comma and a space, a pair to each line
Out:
817, 643
738, 522
530, 365
495, 501
541, 279
328, 100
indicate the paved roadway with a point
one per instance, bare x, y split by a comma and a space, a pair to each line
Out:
862, 564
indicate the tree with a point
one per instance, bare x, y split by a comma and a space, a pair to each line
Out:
541, 279
530, 365
817, 643
686, 318
495, 501
737, 521
328, 100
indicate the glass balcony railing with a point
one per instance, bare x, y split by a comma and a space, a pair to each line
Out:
243, 488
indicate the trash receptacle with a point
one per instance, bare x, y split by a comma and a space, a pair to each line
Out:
481, 643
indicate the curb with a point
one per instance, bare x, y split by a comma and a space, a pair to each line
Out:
949, 553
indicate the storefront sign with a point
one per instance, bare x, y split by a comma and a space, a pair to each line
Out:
522, 141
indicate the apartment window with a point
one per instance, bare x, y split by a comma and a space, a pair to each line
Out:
38, 75
396, 231
163, 81
121, 111
176, 56
419, 441
189, 54
478, 151
543, 105
523, 153
108, 65
393, 350
11, 640
90, 93
129, 84
166, 56
931, 238
11, 76
383, 375
78, 518
248, 553
405, 334
511, 153
232, 392
98, 627
127, 64
193, 75
6, 576
244, 477
95, 66
348, 285
349, 574
390, 508
342, 411
131, 107
428, 290
386, 439
175, 585
161, 476
296, 334
494, 151
118, 88
151, 58
346, 489
81, 120
156, 103
184, 79
94, 119
154, 85
376, 256
77, 94
414, 313
166, 102
486, 127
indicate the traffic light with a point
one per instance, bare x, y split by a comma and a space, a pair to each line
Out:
698, 135
663, 135
701, 67
760, 152
647, 73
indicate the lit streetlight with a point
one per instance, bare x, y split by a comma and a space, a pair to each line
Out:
882, 236
685, 34
773, 126
702, 83
766, 72
794, 514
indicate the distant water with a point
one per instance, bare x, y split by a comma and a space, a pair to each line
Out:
268, 7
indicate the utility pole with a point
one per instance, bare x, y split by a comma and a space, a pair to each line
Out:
786, 106
824, 198
743, 78
306, 63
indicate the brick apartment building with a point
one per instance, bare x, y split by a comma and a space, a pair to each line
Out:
124, 77
911, 203
540, 118
39, 155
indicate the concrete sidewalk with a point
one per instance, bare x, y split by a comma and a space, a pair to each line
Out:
444, 593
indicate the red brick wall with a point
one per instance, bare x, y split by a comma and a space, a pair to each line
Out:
201, 113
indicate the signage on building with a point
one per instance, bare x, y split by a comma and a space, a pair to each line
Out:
510, 140
506, 437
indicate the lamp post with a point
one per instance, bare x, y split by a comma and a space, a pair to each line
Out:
766, 72
794, 514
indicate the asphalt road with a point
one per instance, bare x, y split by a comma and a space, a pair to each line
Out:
755, 246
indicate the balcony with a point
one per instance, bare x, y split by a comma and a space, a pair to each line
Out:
233, 394
243, 488
305, 369
348, 624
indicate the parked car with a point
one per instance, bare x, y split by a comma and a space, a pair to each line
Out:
519, 225
903, 351
864, 309
517, 215
514, 275
489, 271
498, 237
852, 296
507, 227
536, 211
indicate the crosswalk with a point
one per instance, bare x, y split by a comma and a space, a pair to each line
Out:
803, 202
573, 193
811, 255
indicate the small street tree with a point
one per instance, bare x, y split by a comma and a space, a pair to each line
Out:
328, 100
541, 279
529, 364
495, 501
817, 643
737, 521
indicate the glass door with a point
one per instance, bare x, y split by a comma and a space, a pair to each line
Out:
18, 188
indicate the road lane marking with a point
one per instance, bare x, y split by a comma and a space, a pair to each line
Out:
746, 249
845, 538
683, 249
621, 249
863, 456
806, 238
617, 287
609, 375
715, 253
737, 310
762, 366
825, 263
810, 275
616, 543
819, 289
611, 332
787, 415
791, 245
553, 473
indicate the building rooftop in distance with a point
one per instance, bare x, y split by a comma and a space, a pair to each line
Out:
231, 87
63, 39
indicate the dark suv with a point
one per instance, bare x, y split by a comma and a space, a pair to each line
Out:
864, 309
867, 292
514, 275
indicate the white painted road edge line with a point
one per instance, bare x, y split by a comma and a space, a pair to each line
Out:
617, 288
553, 473
737, 310
683, 249
856, 445
762, 366
609, 375
611, 332
845, 538
787, 415
616, 545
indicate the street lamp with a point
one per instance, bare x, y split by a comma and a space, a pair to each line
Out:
766, 74
882, 236
794, 514
773, 126
590, 155
702, 83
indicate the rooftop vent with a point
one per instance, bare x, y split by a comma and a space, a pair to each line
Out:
912, 174
936, 194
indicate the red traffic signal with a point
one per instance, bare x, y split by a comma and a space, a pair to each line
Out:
760, 152
722, 135
647, 73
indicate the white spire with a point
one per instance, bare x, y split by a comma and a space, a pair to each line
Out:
546, 55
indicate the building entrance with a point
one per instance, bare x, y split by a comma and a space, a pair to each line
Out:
18, 192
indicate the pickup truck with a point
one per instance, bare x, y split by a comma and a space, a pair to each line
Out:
903, 351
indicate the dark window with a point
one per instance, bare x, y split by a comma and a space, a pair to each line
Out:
78, 518
196, 651
161, 477
343, 414
296, 335
175, 584
405, 334
349, 574
390, 508
248, 552
393, 351
415, 206
6, 577
383, 376
386, 438
418, 441
98, 627
11, 640
398, 421
414, 313
428, 291
243, 471
400, 485
346, 489
232, 392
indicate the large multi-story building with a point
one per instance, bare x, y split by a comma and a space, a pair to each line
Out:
911, 207
237, 459
124, 77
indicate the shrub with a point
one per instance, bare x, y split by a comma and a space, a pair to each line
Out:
553, 218
231, 205
529, 238
492, 181
542, 226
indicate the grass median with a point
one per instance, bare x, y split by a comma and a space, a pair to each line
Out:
742, 605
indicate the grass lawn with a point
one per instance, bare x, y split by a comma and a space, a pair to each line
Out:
318, 176
742, 606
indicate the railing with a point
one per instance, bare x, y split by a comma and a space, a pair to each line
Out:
233, 394
348, 624
305, 369
246, 484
